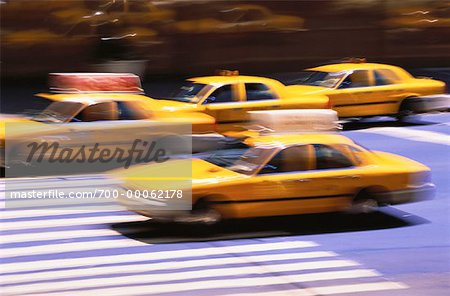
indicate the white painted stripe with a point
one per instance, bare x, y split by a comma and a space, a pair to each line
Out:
367, 287
12, 185
162, 255
22, 205
242, 282
411, 134
30, 214
132, 268
362, 287
56, 178
15, 225
68, 234
293, 292
199, 277
71, 247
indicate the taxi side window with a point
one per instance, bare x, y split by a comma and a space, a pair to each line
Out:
258, 91
115, 7
359, 78
292, 159
223, 94
329, 158
98, 112
252, 15
128, 111
138, 7
385, 77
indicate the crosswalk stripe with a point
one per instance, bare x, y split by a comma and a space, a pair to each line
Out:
362, 287
30, 214
331, 290
70, 221
293, 292
411, 134
242, 282
134, 268
161, 255
202, 275
39, 184
121, 242
21, 205
44, 236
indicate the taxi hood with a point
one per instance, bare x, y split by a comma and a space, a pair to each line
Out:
14, 127
149, 103
170, 105
195, 171
306, 89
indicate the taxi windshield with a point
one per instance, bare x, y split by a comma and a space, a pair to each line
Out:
316, 78
187, 93
242, 160
58, 112
251, 160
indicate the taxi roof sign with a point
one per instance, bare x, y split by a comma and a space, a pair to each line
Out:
227, 72
95, 83
294, 121
354, 60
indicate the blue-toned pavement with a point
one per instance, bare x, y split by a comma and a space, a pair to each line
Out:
402, 250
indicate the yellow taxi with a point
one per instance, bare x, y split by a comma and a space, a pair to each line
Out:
240, 18
228, 97
112, 115
358, 89
276, 174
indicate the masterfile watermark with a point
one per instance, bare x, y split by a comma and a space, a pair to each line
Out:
139, 152
42, 149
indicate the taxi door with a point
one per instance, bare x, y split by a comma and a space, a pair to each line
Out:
87, 124
225, 104
388, 91
370, 95
346, 98
282, 186
310, 179
338, 175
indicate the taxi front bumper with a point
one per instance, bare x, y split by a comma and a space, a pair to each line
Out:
155, 209
412, 194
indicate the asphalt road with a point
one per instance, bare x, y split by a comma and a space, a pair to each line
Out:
401, 250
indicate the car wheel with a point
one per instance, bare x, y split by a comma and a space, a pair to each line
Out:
202, 214
364, 203
406, 109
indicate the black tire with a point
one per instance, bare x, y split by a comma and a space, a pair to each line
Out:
202, 214
406, 109
364, 203
206, 214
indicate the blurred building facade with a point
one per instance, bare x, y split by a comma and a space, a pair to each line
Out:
196, 36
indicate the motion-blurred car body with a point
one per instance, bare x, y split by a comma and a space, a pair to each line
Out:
280, 174
241, 18
87, 114
229, 97
359, 89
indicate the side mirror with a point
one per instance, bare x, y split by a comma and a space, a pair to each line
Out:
209, 100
